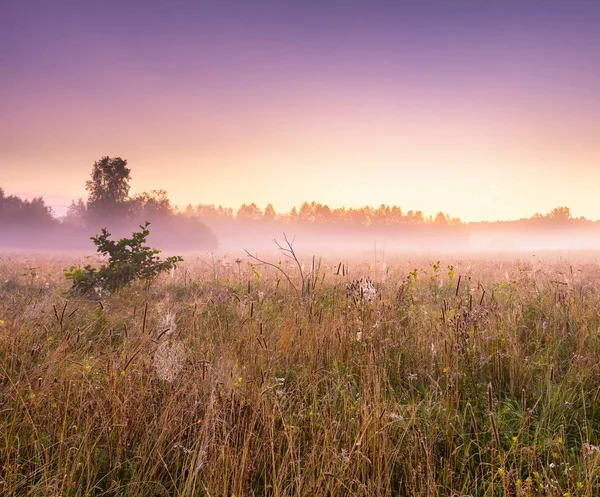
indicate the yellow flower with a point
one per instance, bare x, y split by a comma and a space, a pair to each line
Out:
579, 485
1, 322
122, 373
88, 367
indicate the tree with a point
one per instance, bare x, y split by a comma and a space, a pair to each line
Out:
440, 218
15, 210
269, 214
108, 189
249, 212
559, 214
76, 212
151, 205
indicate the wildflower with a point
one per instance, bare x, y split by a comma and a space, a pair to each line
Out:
1, 322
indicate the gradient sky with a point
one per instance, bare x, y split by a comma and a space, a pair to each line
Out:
485, 110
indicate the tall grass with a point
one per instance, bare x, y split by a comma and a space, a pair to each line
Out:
221, 380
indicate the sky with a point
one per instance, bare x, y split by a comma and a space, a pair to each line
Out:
483, 110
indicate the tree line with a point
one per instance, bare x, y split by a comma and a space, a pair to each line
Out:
109, 203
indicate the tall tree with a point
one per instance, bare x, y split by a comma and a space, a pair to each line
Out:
108, 188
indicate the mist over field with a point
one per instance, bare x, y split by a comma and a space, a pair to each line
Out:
188, 232
315, 228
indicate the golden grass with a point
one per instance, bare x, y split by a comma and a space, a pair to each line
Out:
222, 381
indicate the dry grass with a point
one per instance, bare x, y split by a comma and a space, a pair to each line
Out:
222, 381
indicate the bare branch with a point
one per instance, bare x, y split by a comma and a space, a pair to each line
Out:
254, 257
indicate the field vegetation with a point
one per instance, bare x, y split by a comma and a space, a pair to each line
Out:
231, 377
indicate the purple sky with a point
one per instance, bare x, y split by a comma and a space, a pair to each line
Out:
481, 109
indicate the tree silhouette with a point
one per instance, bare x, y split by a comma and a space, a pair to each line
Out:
269, 214
249, 212
17, 211
108, 189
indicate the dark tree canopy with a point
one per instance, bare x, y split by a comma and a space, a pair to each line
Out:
14, 210
108, 189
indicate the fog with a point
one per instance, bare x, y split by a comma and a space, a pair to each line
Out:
313, 229
192, 236
498, 240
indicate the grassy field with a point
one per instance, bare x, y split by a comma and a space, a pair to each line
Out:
223, 379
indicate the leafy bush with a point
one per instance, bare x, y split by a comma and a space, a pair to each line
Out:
129, 259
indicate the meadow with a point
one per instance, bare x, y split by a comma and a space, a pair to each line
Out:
225, 378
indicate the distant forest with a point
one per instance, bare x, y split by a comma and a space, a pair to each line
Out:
32, 223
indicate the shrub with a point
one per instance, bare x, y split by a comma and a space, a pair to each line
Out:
129, 259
